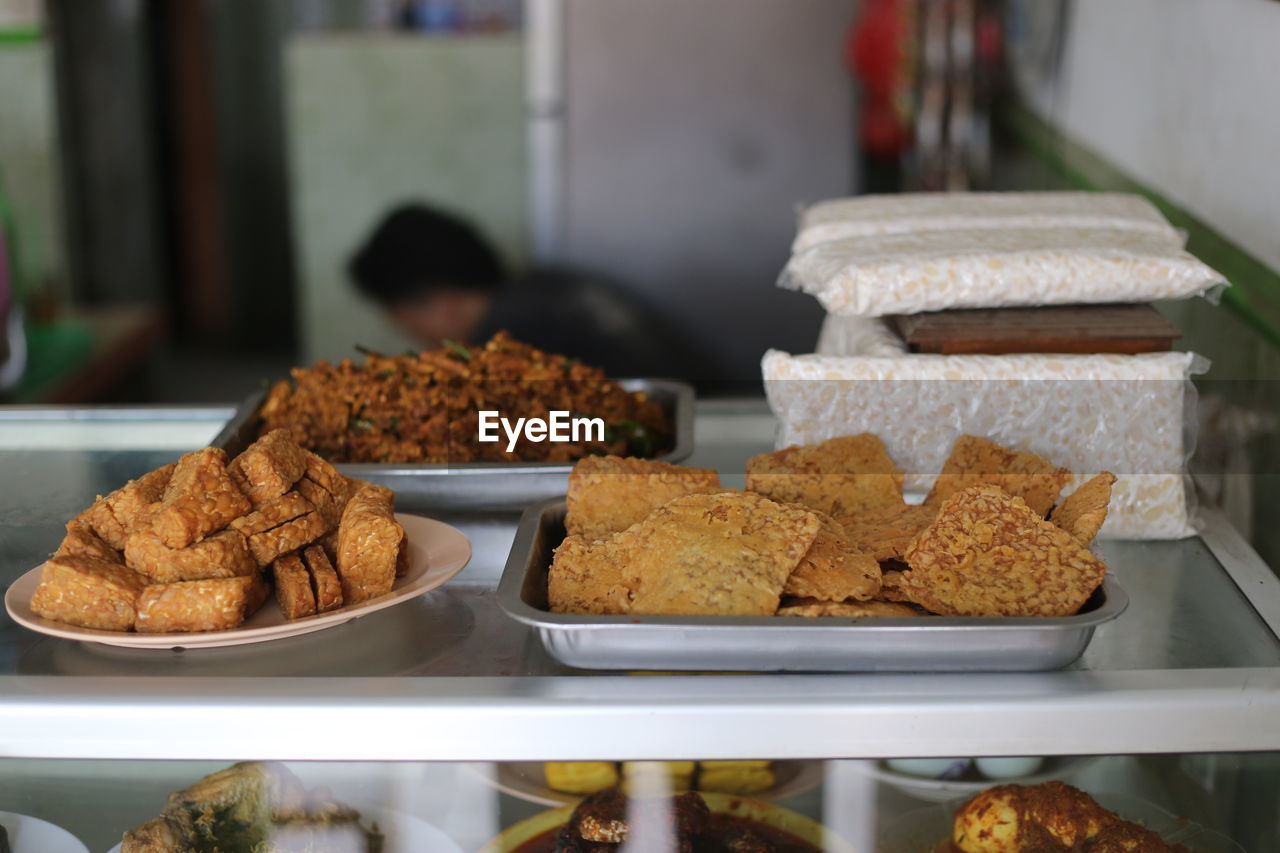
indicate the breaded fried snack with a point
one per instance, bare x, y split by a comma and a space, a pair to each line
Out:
848, 609
222, 555
989, 554
976, 460
885, 532
368, 543
840, 477
1083, 511
271, 465
89, 593
831, 570
214, 604
725, 554
579, 581
273, 513
114, 517
610, 493
199, 499
325, 584
290, 536
293, 587
81, 541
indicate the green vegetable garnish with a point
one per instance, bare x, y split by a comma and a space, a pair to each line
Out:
458, 349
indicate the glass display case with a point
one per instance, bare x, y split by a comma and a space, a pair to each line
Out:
434, 717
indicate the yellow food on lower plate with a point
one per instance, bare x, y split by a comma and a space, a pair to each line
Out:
735, 777
580, 777
656, 778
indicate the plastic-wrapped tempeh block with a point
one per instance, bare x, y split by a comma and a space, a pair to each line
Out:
369, 541
206, 605
89, 593
290, 536
222, 555
200, 499
271, 465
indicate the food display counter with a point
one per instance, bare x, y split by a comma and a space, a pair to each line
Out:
421, 706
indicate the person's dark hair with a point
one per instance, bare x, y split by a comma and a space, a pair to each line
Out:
416, 249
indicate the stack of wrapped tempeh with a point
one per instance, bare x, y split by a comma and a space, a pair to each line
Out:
198, 544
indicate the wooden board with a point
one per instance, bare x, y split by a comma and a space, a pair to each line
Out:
1052, 329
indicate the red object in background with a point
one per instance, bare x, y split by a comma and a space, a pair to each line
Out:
875, 53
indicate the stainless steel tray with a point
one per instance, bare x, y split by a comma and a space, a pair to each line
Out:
772, 644
478, 486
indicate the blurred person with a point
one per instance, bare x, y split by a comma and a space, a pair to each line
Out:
439, 279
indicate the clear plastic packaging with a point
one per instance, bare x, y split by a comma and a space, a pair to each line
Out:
1128, 414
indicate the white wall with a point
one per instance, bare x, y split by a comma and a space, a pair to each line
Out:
1184, 95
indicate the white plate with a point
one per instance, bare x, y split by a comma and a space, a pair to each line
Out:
527, 781
942, 790
32, 835
437, 552
405, 833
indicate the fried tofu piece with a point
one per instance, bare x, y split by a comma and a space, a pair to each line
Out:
81, 541
293, 587
831, 570
840, 477
725, 554
608, 494
222, 555
368, 544
271, 465
809, 607
325, 585
1083, 511
118, 514
89, 593
989, 554
290, 536
975, 460
273, 513
885, 532
580, 777
580, 582
214, 604
200, 499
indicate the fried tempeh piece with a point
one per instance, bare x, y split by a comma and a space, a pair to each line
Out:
1083, 511
831, 570
892, 587
290, 536
89, 593
840, 477
579, 582
809, 607
325, 503
368, 544
325, 585
117, 515
293, 587
273, 513
989, 554
81, 541
608, 494
728, 553
885, 533
200, 499
326, 476
271, 465
975, 460
214, 604
222, 555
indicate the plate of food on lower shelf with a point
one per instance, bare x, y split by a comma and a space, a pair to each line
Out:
20, 833
715, 823
819, 564
191, 554
941, 780
1049, 817
264, 806
557, 783
413, 421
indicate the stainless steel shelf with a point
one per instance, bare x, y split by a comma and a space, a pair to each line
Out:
1194, 665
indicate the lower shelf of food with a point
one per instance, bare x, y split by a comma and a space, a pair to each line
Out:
1154, 804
